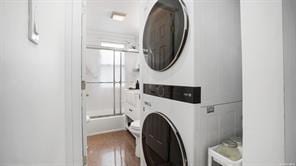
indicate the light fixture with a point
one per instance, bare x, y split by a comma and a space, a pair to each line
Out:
118, 16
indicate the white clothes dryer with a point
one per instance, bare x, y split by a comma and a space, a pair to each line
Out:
191, 79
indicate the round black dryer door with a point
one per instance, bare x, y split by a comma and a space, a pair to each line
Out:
162, 144
165, 34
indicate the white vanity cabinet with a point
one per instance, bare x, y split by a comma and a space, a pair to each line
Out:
132, 104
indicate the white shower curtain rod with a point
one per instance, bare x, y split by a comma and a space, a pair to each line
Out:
112, 49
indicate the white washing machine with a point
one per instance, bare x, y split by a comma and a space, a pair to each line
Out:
191, 79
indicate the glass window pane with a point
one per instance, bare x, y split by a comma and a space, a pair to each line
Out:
99, 72
106, 74
99, 100
106, 57
119, 58
99, 66
117, 98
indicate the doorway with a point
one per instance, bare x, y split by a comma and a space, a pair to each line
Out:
106, 72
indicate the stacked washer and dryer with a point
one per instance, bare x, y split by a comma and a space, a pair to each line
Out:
191, 79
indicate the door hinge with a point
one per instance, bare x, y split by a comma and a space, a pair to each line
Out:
84, 161
83, 85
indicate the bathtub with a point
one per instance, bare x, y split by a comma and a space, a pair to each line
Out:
101, 125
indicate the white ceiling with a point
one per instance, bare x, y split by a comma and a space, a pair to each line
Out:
99, 13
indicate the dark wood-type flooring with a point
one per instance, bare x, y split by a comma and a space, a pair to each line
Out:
112, 149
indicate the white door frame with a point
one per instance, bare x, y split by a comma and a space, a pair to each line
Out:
83, 92
73, 138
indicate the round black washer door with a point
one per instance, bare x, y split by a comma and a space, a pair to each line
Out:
161, 142
165, 34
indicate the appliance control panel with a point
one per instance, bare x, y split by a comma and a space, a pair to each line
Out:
180, 93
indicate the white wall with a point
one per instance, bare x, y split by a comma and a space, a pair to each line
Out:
263, 101
289, 14
32, 98
217, 46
